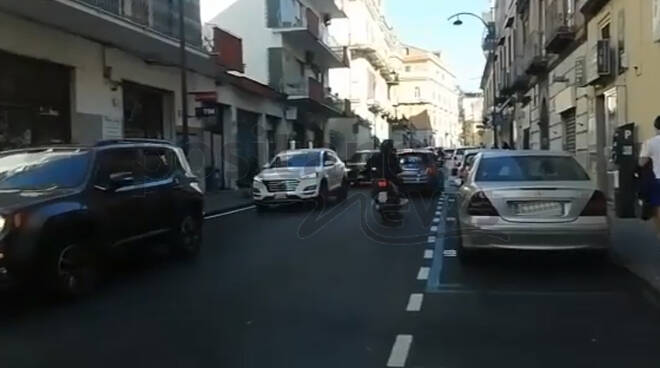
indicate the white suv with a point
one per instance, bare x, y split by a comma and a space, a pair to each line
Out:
301, 175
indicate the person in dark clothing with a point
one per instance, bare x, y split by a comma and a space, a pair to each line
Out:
386, 162
385, 165
506, 146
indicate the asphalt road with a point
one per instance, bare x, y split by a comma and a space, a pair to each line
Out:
299, 287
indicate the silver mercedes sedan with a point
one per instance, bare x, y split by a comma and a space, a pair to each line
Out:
530, 200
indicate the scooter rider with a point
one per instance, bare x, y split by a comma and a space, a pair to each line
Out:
385, 164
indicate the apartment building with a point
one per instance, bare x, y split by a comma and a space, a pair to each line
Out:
85, 70
471, 113
288, 48
373, 73
427, 84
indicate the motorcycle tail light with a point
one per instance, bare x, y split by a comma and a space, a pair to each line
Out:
382, 183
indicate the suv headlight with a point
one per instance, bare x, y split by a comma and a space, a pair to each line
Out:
258, 179
3, 222
310, 176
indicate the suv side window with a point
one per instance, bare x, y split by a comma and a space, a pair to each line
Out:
117, 161
158, 164
327, 156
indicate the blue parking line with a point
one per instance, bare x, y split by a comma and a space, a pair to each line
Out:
433, 282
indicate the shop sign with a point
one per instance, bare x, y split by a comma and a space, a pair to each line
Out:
112, 128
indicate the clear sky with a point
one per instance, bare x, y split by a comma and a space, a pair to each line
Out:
423, 23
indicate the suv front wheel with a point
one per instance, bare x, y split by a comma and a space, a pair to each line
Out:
187, 237
72, 270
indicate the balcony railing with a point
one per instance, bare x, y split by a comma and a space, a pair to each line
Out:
314, 90
295, 16
535, 60
560, 30
159, 15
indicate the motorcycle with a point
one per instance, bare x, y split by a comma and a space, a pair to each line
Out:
387, 201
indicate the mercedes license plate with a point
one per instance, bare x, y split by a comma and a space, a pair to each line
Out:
539, 208
280, 195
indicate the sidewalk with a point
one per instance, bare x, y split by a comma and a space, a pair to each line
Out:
636, 247
226, 200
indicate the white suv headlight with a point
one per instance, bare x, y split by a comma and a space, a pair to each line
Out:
258, 179
310, 176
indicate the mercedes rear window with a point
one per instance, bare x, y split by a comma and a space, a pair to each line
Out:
530, 168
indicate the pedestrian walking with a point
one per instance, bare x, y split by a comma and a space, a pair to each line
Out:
651, 154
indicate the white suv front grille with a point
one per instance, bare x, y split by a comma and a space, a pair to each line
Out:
275, 186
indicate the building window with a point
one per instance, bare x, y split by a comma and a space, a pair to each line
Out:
418, 92
408, 68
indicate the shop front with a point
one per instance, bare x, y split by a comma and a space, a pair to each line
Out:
35, 102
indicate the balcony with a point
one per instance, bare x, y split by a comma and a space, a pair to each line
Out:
310, 95
228, 50
148, 29
303, 30
560, 26
591, 7
535, 60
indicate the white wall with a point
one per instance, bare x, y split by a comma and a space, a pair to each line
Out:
92, 93
246, 19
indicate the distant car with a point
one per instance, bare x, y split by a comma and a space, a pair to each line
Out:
468, 161
64, 209
300, 175
531, 200
457, 160
419, 169
358, 172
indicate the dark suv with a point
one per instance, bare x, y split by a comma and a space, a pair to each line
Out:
64, 209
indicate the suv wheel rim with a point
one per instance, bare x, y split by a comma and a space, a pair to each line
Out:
189, 233
71, 266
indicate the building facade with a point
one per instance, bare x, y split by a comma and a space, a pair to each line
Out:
374, 69
427, 84
95, 91
472, 120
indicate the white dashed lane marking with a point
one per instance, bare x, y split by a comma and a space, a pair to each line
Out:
431, 239
449, 253
423, 273
436, 220
400, 350
415, 303
434, 229
428, 254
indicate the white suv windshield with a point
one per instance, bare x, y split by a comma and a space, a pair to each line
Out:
306, 159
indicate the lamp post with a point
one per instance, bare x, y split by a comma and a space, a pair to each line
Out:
184, 79
491, 58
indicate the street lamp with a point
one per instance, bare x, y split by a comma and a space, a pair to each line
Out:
491, 56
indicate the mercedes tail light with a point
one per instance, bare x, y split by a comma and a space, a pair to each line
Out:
597, 205
480, 205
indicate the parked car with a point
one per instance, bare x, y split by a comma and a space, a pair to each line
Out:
358, 172
63, 209
457, 160
530, 200
419, 170
301, 175
468, 160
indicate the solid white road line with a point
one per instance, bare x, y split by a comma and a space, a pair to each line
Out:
451, 219
423, 273
415, 303
428, 254
431, 239
229, 213
400, 351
